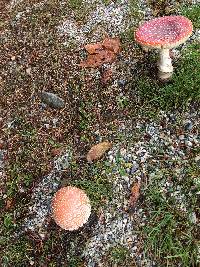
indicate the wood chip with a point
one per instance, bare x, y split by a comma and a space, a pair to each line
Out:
96, 60
93, 48
112, 44
135, 194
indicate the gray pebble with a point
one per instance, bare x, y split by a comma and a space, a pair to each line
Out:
52, 100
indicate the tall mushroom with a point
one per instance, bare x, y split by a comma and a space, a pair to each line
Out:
164, 33
71, 208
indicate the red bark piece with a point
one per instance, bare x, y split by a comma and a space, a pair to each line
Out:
56, 152
112, 44
96, 60
9, 204
93, 48
135, 194
167, 31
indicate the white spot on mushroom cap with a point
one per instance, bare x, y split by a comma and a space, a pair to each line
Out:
71, 208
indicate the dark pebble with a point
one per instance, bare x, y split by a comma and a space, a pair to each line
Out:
188, 126
122, 83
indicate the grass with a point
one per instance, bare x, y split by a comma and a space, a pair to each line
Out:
17, 254
164, 239
192, 13
184, 88
119, 255
97, 187
171, 237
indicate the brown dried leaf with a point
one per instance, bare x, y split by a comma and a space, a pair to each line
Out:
96, 60
98, 150
135, 194
112, 44
56, 151
93, 48
9, 204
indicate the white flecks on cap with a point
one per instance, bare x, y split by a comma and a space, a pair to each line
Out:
164, 32
71, 208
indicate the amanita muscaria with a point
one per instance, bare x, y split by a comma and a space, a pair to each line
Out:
71, 208
164, 33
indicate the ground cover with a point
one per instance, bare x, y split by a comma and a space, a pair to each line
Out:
154, 129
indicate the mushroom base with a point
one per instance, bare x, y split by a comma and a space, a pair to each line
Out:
164, 76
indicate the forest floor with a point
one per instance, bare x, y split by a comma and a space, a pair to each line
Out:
153, 127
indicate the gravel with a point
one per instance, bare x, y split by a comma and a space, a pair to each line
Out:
111, 19
40, 208
120, 227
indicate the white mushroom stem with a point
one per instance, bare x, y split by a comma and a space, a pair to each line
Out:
165, 62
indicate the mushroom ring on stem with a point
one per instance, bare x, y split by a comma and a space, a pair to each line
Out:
71, 208
164, 33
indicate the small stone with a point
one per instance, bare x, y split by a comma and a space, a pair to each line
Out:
188, 126
42, 235
123, 151
52, 100
122, 83
1, 155
126, 179
197, 158
28, 71
42, 106
193, 218
181, 137
172, 118
188, 143
31, 262
129, 240
111, 158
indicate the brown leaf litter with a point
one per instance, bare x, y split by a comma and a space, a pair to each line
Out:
135, 194
97, 151
106, 76
101, 52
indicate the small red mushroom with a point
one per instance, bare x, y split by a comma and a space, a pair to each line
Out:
164, 33
71, 208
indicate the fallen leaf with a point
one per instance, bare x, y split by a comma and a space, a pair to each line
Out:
135, 193
55, 151
96, 60
100, 53
9, 204
93, 48
106, 76
98, 150
112, 44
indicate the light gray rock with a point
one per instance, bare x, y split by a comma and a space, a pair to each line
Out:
52, 100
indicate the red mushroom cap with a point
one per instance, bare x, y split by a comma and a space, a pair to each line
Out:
164, 32
71, 208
